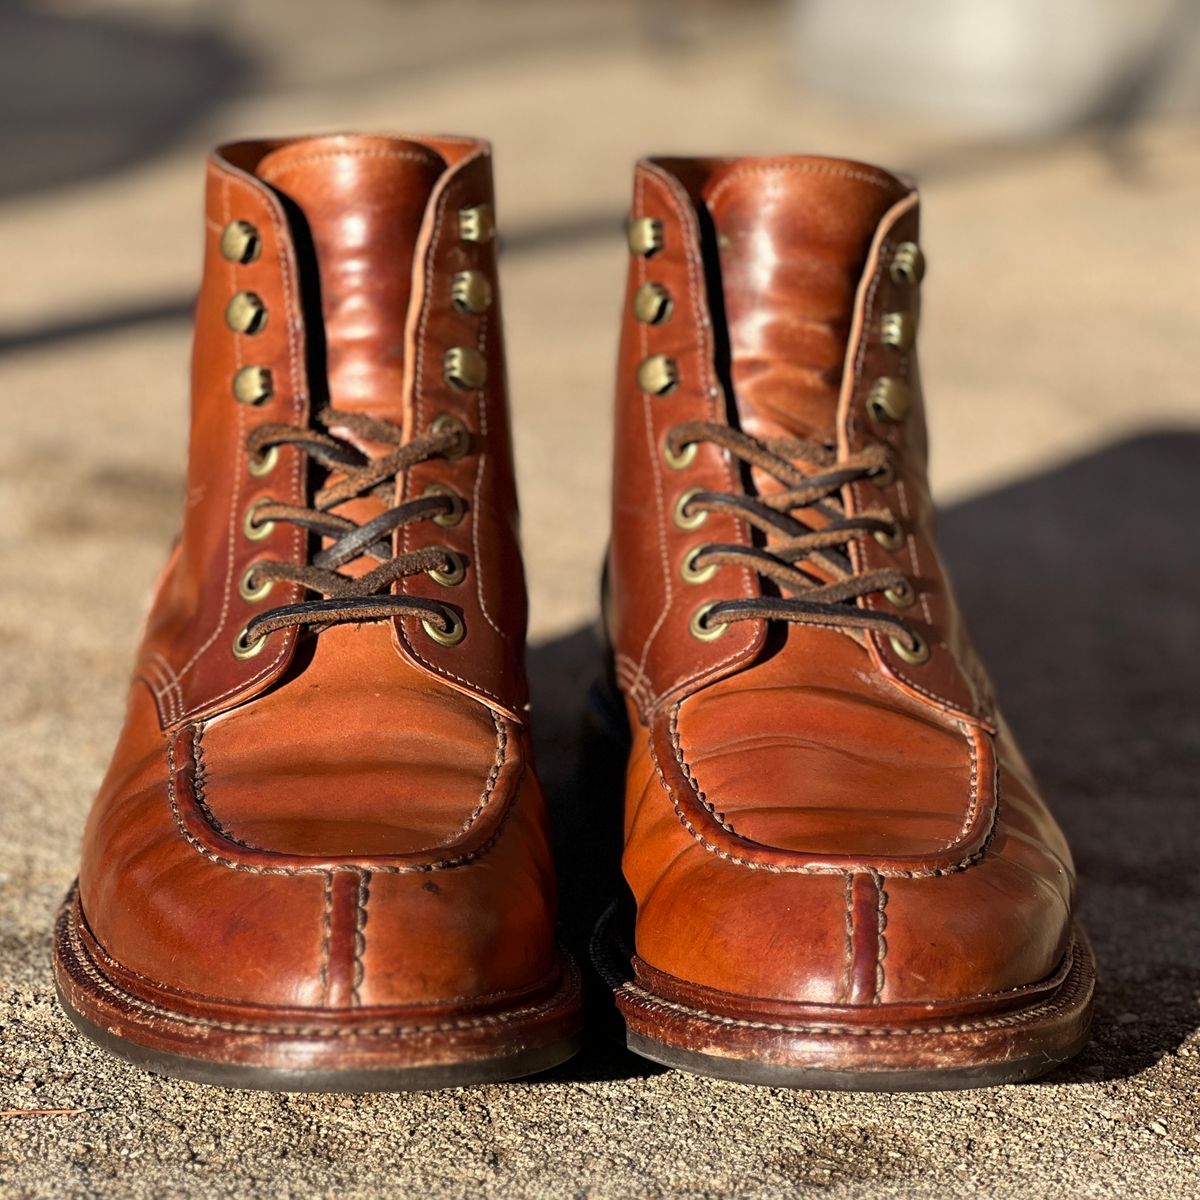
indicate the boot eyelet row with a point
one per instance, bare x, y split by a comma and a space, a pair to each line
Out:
658, 375
652, 305
890, 399
465, 369
246, 313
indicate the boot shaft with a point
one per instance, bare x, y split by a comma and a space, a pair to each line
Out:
357, 273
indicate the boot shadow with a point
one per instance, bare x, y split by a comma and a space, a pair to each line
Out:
581, 757
1080, 587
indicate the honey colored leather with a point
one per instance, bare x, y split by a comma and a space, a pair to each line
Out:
348, 820
809, 818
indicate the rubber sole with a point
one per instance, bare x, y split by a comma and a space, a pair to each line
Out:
309, 1051
1012, 1046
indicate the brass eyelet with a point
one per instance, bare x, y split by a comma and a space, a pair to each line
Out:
263, 464
658, 374
898, 331
448, 519
903, 595
244, 649
446, 637
692, 573
652, 303
889, 400
682, 460
477, 224
253, 385
885, 476
240, 242
908, 264
699, 625
471, 292
916, 654
252, 593
465, 368
452, 575
645, 236
682, 518
892, 539
255, 531
449, 423
246, 313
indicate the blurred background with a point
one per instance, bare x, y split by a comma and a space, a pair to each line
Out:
1058, 149
1056, 145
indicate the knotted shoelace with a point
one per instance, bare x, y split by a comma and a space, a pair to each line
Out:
812, 479
352, 474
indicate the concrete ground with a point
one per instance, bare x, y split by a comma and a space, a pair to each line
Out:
1059, 348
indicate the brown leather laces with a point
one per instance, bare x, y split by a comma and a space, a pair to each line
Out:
814, 485
353, 474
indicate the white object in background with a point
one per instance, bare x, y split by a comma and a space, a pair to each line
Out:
1002, 66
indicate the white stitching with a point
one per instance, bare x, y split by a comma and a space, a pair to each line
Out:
380, 869
477, 490
880, 180
427, 157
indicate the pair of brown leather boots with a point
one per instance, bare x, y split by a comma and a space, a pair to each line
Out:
320, 860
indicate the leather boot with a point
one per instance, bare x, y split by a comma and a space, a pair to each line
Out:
843, 873
320, 859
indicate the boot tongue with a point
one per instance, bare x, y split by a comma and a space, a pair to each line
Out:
794, 235
363, 201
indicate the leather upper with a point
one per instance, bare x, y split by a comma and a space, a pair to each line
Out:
379, 331
810, 817
347, 818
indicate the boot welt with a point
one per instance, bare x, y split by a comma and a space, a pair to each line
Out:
841, 1051
299, 1050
